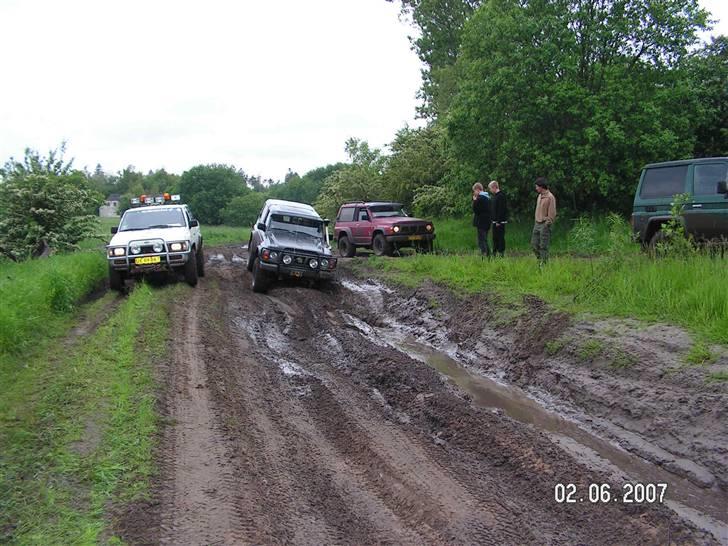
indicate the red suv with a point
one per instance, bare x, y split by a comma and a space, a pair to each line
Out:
383, 227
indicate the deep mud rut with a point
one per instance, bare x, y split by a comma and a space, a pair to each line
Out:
290, 419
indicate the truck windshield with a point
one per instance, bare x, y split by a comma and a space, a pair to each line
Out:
139, 219
297, 224
382, 211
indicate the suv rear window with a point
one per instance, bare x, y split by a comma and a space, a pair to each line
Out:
346, 214
664, 181
707, 178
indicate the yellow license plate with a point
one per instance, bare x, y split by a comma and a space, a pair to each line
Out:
415, 238
148, 260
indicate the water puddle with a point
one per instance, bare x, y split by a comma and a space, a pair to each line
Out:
706, 508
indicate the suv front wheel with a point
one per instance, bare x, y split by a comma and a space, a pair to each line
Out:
191, 268
380, 246
260, 281
346, 248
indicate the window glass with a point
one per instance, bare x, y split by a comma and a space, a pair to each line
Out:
664, 181
707, 178
391, 209
346, 214
298, 225
139, 219
363, 215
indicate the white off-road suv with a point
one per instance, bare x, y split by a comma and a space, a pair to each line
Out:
156, 238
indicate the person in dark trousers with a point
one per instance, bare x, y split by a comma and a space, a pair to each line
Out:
499, 217
481, 217
543, 219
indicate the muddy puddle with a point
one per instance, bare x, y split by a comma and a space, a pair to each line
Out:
705, 508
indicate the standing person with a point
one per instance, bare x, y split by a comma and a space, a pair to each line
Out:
499, 217
544, 217
481, 217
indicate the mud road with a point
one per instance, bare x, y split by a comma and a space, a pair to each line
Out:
303, 416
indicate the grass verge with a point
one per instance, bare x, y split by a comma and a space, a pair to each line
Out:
38, 295
77, 426
688, 293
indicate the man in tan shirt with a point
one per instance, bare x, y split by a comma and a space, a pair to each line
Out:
545, 216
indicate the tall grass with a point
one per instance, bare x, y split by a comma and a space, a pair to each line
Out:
690, 293
37, 295
457, 235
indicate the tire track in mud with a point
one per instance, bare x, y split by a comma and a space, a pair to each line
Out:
202, 487
290, 427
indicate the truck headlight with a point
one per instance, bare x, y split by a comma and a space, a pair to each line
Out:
118, 251
395, 229
157, 247
135, 249
428, 227
324, 263
313, 264
287, 259
178, 247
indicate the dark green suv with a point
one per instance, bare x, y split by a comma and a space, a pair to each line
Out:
705, 216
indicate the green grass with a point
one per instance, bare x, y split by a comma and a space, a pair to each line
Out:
590, 349
554, 346
717, 376
457, 235
77, 426
222, 235
689, 293
699, 354
38, 295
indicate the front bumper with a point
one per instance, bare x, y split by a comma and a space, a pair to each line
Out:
285, 271
167, 262
419, 238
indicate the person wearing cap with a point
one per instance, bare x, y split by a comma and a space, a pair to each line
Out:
544, 217
499, 217
481, 217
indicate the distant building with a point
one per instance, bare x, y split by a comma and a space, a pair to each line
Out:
110, 208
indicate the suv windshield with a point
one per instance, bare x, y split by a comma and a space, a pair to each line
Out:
383, 211
157, 218
298, 225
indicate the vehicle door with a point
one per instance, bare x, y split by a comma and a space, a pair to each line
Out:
256, 235
194, 230
361, 230
707, 216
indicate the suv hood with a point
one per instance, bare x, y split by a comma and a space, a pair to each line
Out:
295, 242
400, 220
123, 238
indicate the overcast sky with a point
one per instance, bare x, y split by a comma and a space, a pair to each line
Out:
262, 85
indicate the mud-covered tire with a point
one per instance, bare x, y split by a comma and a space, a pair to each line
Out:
116, 280
380, 246
260, 279
655, 243
190, 268
251, 255
201, 263
346, 248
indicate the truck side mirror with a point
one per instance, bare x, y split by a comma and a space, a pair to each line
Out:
194, 223
261, 226
326, 221
722, 187
114, 230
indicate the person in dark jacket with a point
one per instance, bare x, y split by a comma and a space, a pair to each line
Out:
481, 216
499, 217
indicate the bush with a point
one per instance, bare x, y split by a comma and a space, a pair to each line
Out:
243, 210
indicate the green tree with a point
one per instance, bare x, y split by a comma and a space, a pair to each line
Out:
361, 180
244, 209
209, 188
708, 69
440, 24
45, 205
580, 91
419, 159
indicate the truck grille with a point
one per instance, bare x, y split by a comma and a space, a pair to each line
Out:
413, 229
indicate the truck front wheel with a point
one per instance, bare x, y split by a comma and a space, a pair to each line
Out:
116, 280
191, 268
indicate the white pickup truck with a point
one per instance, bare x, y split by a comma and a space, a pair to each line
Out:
155, 238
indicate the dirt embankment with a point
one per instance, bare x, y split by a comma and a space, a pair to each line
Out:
291, 421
